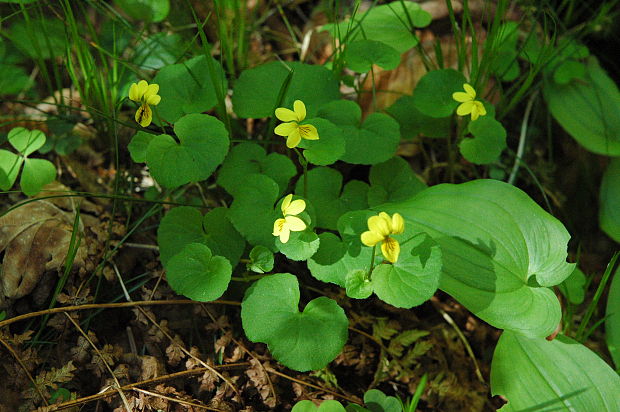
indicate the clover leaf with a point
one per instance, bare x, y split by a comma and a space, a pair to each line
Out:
203, 144
303, 341
197, 274
374, 140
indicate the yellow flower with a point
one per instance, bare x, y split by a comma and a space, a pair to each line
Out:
380, 227
145, 94
292, 130
282, 227
468, 103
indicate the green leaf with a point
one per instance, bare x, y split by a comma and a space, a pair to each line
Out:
158, 50
612, 321
10, 164
249, 158
39, 37
252, 212
589, 111
389, 23
503, 52
326, 406
303, 341
558, 375
335, 260
314, 85
357, 285
26, 141
377, 401
501, 252
373, 141
195, 273
221, 236
203, 146
609, 212
413, 122
414, 278
392, 181
13, 79
36, 174
573, 287
433, 94
261, 260
568, 71
145, 10
360, 55
488, 143
187, 88
139, 145
300, 246
324, 185
330, 146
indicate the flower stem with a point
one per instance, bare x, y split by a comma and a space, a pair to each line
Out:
304, 165
372, 262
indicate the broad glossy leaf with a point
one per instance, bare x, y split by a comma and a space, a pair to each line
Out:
306, 340
202, 147
194, 272
573, 287
433, 94
609, 212
360, 55
612, 323
501, 252
187, 88
256, 91
40, 37
557, 375
36, 174
589, 111
488, 143
372, 141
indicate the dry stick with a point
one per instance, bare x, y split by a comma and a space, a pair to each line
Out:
188, 353
21, 363
369, 336
7, 322
131, 386
118, 384
350, 399
159, 395
273, 391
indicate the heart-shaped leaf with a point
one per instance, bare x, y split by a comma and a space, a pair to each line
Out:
26, 141
374, 140
558, 375
330, 146
157, 50
413, 122
392, 181
358, 284
488, 143
433, 94
249, 158
197, 274
326, 406
360, 55
300, 246
495, 242
187, 88
139, 145
303, 341
261, 260
314, 85
203, 146
377, 401
36, 174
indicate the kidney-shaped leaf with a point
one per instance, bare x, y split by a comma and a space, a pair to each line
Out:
197, 274
433, 94
488, 143
303, 341
609, 212
326, 406
362, 54
203, 146
500, 251
557, 375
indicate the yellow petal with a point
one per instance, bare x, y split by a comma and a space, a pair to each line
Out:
371, 238
285, 233
153, 100
398, 224
294, 223
285, 203
477, 110
151, 90
285, 129
295, 207
293, 139
144, 115
469, 90
461, 97
142, 87
286, 115
307, 131
390, 249
278, 225
465, 108
133, 93
379, 225
300, 110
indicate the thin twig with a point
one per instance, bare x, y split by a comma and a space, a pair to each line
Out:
159, 395
348, 398
523, 134
21, 363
